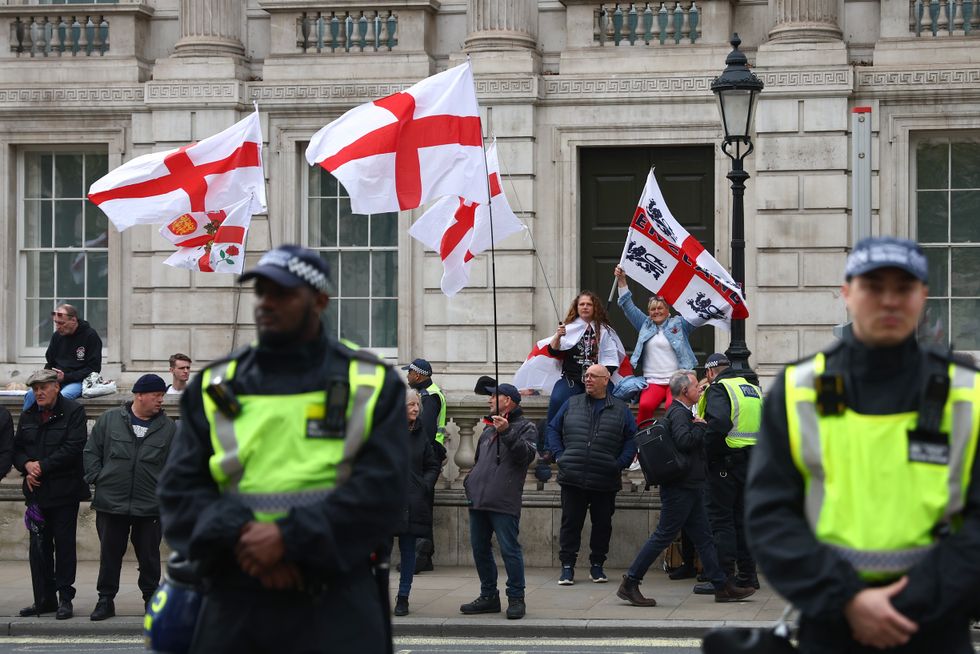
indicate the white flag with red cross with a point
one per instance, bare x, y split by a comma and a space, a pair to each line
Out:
660, 254
459, 230
406, 149
209, 175
212, 241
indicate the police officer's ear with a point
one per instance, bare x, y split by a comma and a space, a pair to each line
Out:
320, 301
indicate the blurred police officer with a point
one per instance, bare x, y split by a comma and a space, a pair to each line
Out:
286, 475
863, 500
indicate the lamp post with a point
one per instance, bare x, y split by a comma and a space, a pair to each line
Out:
737, 88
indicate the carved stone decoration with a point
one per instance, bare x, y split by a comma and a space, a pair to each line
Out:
210, 28
466, 454
450, 469
501, 25
796, 21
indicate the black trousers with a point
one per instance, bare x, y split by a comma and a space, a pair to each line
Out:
726, 512
575, 502
58, 541
145, 534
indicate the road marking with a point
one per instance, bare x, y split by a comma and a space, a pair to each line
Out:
565, 642
73, 640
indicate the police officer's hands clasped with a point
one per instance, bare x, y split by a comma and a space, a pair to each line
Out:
260, 548
874, 621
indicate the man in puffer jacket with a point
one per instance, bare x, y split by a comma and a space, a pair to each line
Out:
123, 458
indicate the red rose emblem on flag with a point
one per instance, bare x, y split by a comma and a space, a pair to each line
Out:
232, 250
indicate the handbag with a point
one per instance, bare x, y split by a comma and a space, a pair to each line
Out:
741, 640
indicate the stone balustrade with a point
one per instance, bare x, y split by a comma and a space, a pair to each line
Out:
359, 30
944, 18
647, 24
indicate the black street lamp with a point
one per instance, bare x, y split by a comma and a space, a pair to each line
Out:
737, 88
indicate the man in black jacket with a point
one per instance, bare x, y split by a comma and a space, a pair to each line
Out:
6, 441
888, 560
123, 458
48, 452
591, 438
286, 534
74, 352
494, 487
682, 505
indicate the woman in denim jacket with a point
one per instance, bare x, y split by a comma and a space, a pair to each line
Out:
661, 350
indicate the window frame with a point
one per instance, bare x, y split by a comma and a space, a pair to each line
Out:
19, 333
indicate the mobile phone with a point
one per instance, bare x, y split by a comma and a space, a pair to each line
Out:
488, 420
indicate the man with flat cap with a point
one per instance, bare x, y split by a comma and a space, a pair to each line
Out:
286, 477
433, 417
863, 497
48, 452
123, 458
731, 405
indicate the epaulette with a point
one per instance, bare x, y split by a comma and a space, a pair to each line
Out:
947, 356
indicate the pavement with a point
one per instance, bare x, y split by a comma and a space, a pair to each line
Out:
583, 610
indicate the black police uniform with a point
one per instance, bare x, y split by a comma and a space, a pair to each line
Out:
331, 542
942, 588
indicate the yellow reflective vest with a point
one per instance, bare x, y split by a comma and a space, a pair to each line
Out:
865, 494
274, 455
745, 400
432, 389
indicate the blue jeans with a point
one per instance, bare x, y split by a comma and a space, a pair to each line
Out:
406, 547
71, 391
564, 388
483, 525
682, 508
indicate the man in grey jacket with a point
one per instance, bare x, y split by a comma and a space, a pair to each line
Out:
124, 456
494, 488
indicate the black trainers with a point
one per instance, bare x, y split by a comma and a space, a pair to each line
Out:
105, 608
747, 581
704, 588
567, 577
515, 608
482, 604
597, 575
401, 605
46, 607
682, 572
65, 610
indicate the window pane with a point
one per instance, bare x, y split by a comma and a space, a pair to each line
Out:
330, 317
97, 274
47, 175
68, 176
322, 183
96, 166
39, 325
384, 274
933, 328
354, 320
932, 165
354, 274
965, 216
384, 323
384, 229
938, 271
966, 324
966, 165
35, 236
97, 314
323, 222
331, 259
67, 223
40, 274
70, 274
96, 227
933, 216
34, 172
966, 272
353, 229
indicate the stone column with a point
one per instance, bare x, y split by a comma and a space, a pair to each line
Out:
501, 25
210, 28
797, 21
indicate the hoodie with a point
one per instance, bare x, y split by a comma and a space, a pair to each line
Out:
77, 355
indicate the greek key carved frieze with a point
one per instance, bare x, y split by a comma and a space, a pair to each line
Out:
72, 95
183, 91
915, 78
635, 86
811, 78
324, 92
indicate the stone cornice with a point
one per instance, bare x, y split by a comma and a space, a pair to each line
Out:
80, 96
177, 93
584, 88
916, 81
839, 79
348, 93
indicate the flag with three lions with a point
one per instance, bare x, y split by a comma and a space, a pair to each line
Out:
660, 254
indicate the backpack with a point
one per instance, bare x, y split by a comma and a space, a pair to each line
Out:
660, 459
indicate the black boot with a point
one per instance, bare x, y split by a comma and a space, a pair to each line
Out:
423, 555
482, 604
682, 572
515, 608
105, 608
629, 590
401, 605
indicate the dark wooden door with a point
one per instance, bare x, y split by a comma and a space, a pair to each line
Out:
611, 181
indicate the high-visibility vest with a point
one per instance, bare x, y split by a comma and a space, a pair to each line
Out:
264, 457
864, 497
745, 400
432, 389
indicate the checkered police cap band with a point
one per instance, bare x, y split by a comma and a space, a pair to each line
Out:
421, 371
308, 274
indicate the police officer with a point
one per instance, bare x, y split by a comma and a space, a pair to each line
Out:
732, 407
863, 500
286, 474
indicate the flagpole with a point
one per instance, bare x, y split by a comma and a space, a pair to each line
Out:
612, 291
493, 270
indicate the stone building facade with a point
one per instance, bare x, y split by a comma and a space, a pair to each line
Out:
572, 89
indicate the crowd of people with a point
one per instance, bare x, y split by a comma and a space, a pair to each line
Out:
298, 529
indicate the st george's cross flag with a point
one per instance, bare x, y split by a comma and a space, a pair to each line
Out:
209, 175
541, 370
406, 149
665, 258
212, 241
459, 230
